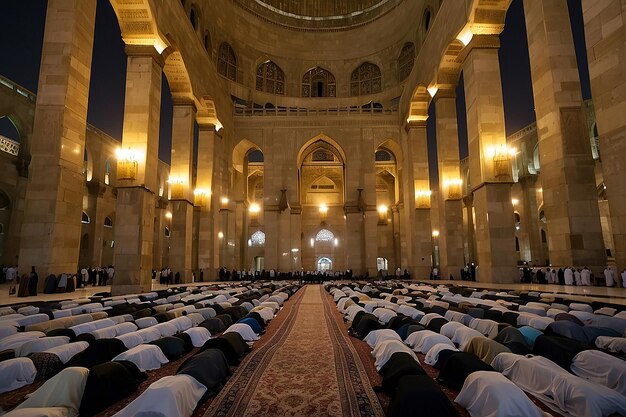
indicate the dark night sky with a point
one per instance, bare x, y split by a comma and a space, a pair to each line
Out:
21, 35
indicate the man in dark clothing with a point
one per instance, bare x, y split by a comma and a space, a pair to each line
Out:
32, 282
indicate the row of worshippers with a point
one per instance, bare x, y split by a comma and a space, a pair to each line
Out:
271, 274
568, 276
100, 276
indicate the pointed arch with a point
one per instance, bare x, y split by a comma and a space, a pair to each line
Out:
270, 78
227, 61
366, 79
319, 82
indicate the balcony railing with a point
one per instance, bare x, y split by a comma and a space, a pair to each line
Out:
298, 111
9, 146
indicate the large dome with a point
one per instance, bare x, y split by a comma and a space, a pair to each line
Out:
319, 14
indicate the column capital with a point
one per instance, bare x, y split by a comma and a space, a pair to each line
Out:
144, 50
184, 102
445, 93
415, 124
480, 42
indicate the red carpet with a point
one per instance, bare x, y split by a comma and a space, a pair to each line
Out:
308, 367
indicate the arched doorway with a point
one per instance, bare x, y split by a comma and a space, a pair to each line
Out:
324, 264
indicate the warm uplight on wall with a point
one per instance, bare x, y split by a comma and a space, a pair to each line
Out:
168, 215
422, 199
323, 212
432, 90
382, 214
514, 201
224, 201
501, 156
453, 188
336, 242
220, 235
435, 233
254, 210
466, 35
127, 165
178, 188
200, 195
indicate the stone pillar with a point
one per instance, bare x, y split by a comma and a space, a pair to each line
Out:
450, 190
530, 219
567, 167
184, 116
205, 199
470, 235
136, 168
419, 198
159, 233
96, 192
605, 34
51, 230
490, 170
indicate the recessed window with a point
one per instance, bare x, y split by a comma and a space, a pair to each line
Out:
257, 238
318, 82
108, 222
85, 219
270, 78
406, 61
366, 79
227, 62
324, 235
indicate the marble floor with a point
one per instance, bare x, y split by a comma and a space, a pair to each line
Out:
583, 294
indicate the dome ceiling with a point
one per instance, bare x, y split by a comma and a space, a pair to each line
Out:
319, 14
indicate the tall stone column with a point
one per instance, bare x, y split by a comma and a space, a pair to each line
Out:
96, 192
136, 168
204, 199
51, 230
567, 167
490, 170
450, 205
181, 251
419, 197
605, 34
530, 219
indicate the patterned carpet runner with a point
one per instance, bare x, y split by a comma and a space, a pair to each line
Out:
307, 367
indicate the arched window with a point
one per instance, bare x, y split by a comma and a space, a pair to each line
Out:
270, 78
193, 18
406, 60
383, 155
107, 172
318, 82
227, 62
85, 218
324, 235
167, 231
426, 20
366, 79
4, 201
258, 238
108, 222
324, 264
207, 42
87, 172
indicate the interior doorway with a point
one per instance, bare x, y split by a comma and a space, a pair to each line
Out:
324, 264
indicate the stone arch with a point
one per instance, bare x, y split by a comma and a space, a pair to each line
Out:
227, 65
270, 78
420, 100
304, 149
240, 153
311, 79
394, 147
366, 79
88, 165
406, 61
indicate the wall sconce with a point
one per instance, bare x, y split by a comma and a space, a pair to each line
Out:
323, 213
422, 199
514, 201
224, 202
168, 215
178, 188
382, 214
435, 233
501, 160
453, 187
220, 235
200, 196
127, 165
254, 210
